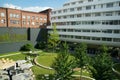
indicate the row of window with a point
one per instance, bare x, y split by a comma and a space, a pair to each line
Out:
103, 22
102, 14
115, 31
107, 5
91, 38
24, 22
79, 2
33, 23
27, 17
14, 15
34, 17
2, 14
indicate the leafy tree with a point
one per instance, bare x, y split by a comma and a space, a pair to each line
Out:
102, 66
81, 56
53, 38
63, 65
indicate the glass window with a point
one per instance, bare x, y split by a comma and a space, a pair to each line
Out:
79, 8
33, 17
109, 5
37, 18
33, 23
23, 17
11, 15
2, 14
40, 18
71, 9
97, 14
41, 23
90, 0
28, 17
88, 15
45, 19
88, 7
3, 21
79, 15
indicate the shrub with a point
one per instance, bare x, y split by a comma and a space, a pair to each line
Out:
41, 45
27, 47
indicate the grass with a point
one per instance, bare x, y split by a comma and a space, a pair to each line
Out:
44, 58
2, 54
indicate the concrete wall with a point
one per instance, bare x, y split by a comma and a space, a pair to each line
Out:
34, 35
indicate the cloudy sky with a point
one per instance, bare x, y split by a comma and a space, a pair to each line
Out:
32, 5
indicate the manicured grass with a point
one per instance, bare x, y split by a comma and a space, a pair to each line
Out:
46, 59
2, 54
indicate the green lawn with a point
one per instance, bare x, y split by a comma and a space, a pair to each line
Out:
2, 54
46, 59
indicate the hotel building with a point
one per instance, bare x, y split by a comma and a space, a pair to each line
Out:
91, 21
22, 19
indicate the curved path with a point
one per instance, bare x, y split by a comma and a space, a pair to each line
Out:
35, 61
10, 54
49, 68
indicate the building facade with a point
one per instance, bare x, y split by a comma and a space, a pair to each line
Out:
22, 19
90, 21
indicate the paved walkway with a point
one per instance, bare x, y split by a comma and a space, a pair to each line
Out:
10, 54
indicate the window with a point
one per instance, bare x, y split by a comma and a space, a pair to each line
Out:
33, 17
119, 3
45, 19
2, 14
88, 7
24, 22
33, 23
23, 16
17, 16
59, 11
116, 31
40, 18
3, 21
97, 14
37, 18
88, 15
41, 23
94, 6
109, 5
64, 17
11, 15
65, 10
28, 17
101, 5
90, 0
73, 3
79, 8
80, 2
71, 9
116, 39
71, 16
108, 14
14, 21
28, 23
79, 15
37, 23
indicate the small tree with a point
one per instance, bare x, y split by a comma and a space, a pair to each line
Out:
81, 56
102, 66
53, 38
63, 66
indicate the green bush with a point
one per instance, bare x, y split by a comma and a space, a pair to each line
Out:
41, 45
27, 47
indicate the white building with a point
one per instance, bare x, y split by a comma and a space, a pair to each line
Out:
89, 21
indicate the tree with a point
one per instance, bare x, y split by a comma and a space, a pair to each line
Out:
101, 68
62, 65
27, 47
41, 45
53, 38
81, 56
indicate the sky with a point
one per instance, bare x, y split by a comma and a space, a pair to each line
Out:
32, 5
